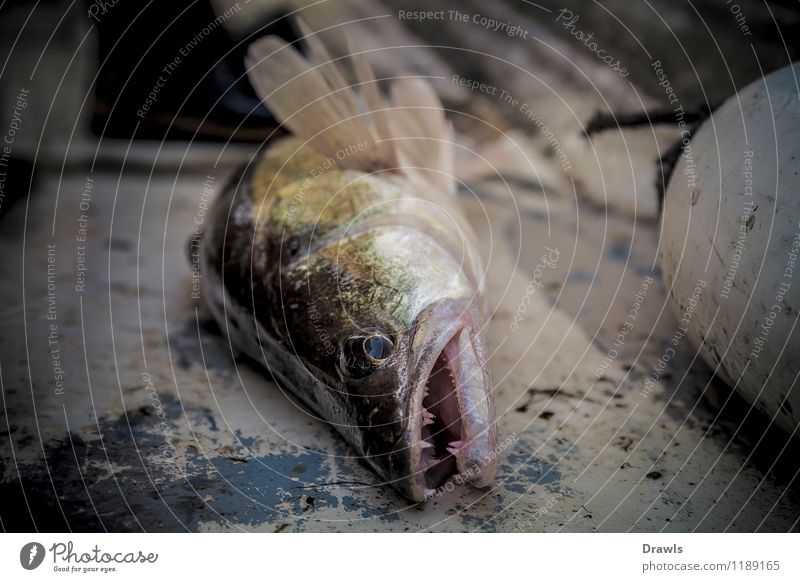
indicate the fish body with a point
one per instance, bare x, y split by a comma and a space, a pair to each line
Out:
349, 270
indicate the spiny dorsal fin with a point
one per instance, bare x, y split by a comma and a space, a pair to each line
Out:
312, 97
424, 138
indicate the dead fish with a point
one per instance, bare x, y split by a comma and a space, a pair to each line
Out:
340, 259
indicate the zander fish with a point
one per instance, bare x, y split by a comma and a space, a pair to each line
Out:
341, 260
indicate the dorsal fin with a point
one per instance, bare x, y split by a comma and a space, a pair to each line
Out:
354, 124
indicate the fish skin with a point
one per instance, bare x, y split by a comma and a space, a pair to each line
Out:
308, 253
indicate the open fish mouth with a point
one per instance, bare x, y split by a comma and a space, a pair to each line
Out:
451, 432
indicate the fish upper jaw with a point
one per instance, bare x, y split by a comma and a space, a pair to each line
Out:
451, 430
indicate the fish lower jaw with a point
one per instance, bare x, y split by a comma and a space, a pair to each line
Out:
453, 417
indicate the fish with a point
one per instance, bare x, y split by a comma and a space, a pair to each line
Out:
340, 259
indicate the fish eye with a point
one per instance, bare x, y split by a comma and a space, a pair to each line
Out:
378, 347
366, 352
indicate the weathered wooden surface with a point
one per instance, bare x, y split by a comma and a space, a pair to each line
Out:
159, 428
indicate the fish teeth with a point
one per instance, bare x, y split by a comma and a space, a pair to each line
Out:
425, 445
455, 447
427, 417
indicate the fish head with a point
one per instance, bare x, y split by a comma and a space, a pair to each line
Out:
390, 328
